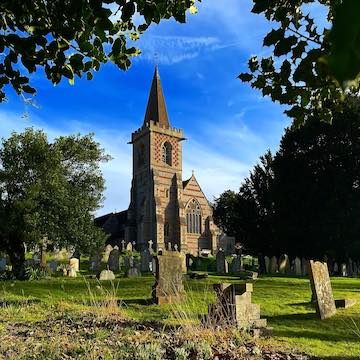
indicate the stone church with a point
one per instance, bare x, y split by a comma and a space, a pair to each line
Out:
164, 210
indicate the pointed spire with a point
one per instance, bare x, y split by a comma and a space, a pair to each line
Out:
156, 108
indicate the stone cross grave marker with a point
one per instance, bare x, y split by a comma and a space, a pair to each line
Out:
151, 246
113, 262
168, 287
176, 247
321, 289
122, 245
221, 263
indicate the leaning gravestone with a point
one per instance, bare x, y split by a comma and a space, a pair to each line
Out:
297, 267
106, 275
284, 264
267, 264
74, 263
321, 289
273, 265
168, 287
221, 263
113, 262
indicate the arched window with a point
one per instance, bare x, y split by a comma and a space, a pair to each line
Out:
193, 217
166, 229
166, 153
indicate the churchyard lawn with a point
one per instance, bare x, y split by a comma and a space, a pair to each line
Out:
36, 308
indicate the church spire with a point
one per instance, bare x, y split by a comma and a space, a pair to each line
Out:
156, 108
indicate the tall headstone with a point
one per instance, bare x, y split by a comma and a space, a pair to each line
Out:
129, 246
145, 261
221, 263
321, 289
297, 266
113, 262
123, 245
273, 265
107, 251
261, 264
343, 270
336, 268
168, 287
236, 265
267, 264
304, 267
74, 263
284, 264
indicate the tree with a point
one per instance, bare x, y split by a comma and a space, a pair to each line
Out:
317, 187
311, 68
248, 214
49, 190
74, 37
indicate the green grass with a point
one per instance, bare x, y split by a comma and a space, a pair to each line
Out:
284, 302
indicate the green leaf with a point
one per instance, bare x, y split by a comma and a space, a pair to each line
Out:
245, 77
273, 37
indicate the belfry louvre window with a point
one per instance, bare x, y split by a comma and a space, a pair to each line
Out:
166, 153
193, 217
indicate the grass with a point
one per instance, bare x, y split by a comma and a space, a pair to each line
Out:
284, 302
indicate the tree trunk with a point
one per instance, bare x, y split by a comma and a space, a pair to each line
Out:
16, 252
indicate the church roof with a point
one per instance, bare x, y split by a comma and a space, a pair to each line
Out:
156, 107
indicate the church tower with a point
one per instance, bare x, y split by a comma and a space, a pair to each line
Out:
156, 212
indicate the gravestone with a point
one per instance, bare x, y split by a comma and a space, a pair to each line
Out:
284, 264
129, 246
106, 254
122, 245
355, 269
113, 262
53, 264
261, 263
273, 265
72, 272
2, 264
343, 270
267, 264
234, 307
74, 263
168, 287
221, 263
350, 270
95, 262
321, 289
106, 275
336, 268
297, 266
150, 246
236, 265
132, 267
145, 260
304, 267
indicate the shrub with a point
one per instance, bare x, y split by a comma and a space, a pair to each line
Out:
37, 272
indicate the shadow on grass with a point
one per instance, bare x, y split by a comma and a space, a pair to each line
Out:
23, 302
142, 301
292, 317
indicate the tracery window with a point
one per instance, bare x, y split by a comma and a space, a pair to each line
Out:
193, 217
166, 153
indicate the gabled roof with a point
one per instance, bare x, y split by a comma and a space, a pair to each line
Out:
156, 107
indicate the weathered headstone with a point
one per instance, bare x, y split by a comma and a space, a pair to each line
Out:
145, 260
72, 272
297, 266
107, 251
53, 264
129, 246
236, 265
234, 307
321, 289
95, 262
304, 267
336, 268
106, 275
168, 287
267, 264
284, 264
2, 264
113, 262
343, 270
74, 263
273, 265
132, 269
221, 263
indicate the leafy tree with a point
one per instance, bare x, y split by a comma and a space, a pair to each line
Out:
49, 190
248, 214
311, 67
317, 187
73, 37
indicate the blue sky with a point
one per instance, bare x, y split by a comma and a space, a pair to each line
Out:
228, 125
